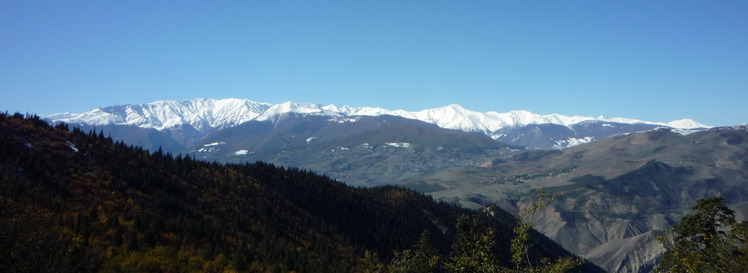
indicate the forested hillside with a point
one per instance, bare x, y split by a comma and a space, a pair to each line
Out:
73, 201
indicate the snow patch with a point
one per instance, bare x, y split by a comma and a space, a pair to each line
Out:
399, 144
497, 136
241, 152
571, 142
344, 120
214, 144
310, 139
685, 132
208, 150
339, 148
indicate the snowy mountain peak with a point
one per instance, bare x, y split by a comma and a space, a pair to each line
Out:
456, 108
686, 124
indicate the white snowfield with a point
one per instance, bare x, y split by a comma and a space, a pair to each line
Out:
209, 114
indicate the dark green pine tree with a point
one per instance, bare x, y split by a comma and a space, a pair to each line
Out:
425, 258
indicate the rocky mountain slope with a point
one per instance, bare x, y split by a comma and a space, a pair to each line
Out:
361, 151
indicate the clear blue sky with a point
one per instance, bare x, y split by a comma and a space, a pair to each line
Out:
650, 60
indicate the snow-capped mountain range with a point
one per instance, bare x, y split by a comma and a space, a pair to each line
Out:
210, 115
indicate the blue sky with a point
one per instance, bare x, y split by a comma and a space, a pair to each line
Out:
650, 60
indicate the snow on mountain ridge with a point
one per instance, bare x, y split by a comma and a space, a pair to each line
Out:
202, 114
208, 114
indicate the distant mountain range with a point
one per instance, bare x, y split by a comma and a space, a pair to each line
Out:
187, 122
